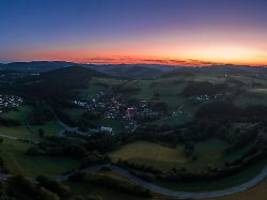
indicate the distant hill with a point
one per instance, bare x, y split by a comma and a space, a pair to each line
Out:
58, 83
35, 66
141, 71
119, 70
219, 69
74, 76
133, 71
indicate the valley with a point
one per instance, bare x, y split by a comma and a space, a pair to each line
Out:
195, 131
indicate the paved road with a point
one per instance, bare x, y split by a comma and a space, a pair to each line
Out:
168, 192
158, 189
8, 137
69, 129
16, 138
179, 194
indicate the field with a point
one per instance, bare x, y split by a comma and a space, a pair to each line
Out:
261, 91
219, 184
166, 90
24, 130
74, 113
166, 158
20, 114
18, 131
251, 98
115, 124
97, 85
105, 193
13, 154
50, 128
150, 154
257, 193
177, 119
86, 188
208, 153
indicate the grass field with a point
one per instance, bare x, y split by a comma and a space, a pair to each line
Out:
22, 131
106, 194
13, 154
257, 193
209, 153
166, 90
74, 113
50, 128
150, 154
97, 85
178, 119
115, 124
20, 114
17, 131
218, 184
86, 188
261, 91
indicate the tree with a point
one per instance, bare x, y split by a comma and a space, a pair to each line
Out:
54, 186
41, 132
48, 195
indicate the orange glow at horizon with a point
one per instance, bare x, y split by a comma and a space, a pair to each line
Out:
231, 54
194, 56
175, 32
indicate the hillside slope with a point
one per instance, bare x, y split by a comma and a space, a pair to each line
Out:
58, 83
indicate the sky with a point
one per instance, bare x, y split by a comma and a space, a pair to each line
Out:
178, 32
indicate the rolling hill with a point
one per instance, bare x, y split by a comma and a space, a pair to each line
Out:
58, 83
137, 71
35, 66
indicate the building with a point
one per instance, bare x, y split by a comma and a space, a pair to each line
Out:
106, 129
130, 112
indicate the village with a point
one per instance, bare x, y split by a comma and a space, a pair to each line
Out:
114, 107
9, 102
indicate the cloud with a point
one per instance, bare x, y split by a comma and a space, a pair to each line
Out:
132, 60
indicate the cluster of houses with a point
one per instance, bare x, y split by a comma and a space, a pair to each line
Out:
114, 107
204, 98
8, 102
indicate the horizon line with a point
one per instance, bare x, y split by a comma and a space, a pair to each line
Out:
204, 64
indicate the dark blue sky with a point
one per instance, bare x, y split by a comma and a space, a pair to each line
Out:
100, 28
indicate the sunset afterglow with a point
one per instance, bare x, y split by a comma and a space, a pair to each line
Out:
175, 32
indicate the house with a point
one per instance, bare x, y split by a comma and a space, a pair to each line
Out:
106, 129
80, 103
130, 112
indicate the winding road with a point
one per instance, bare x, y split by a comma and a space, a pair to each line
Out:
159, 189
177, 194
168, 192
69, 129
153, 187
